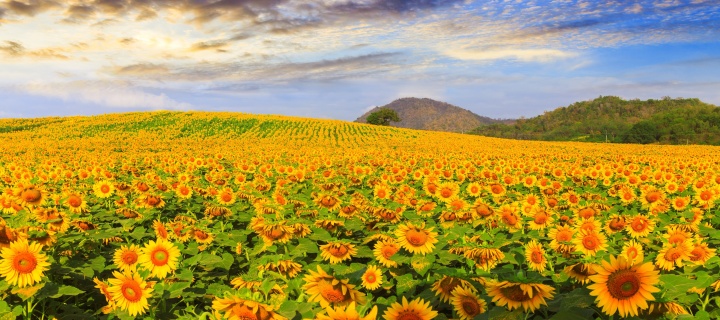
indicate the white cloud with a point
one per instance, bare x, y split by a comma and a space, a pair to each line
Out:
104, 93
526, 55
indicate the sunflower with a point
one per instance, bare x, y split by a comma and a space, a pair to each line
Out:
30, 195
650, 196
159, 258
180, 232
372, 278
216, 211
482, 209
346, 313
510, 217
680, 203
328, 201
663, 308
226, 196
381, 191
561, 239
514, 295
23, 264
633, 251
8, 205
126, 258
327, 289
160, 231
456, 204
275, 232
474, 189
417, 309
623, 286
337, 252
627, 195
108, 296
384, 250
76, 203
701, 253
496, 190
672, 255
416, 239
287, 268
640, 226
467, 304
446, 191
581, 272
103, 189
183, 192
235, 307
676, 234
485, 258
445, 287
150, 201
130, 292
541, 219
615, 223
535, 256
590, 242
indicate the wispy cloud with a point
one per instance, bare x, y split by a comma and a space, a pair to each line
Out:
107, 94
526, 55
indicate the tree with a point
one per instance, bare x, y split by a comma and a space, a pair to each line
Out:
383, 117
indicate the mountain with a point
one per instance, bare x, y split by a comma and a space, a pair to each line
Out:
612, 119
428, 114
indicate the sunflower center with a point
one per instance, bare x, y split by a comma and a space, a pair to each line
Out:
446, 193
226, 197
370, 278
202, 235
510, 218
536, 257
105, 188
328, 201
697, 254
632, 253
483, 210
652, 196
24, 262
159, 257
676, 238
32, 195
330, 292
470, 306
673, 254
381, 193
705, 195
638, 225
474, 189
449, 284
514, 293
242, 312
338, 250
153, 200
74, 201
496, 189
617, 224
416, 237
388, 251
540, 218
129, 257
131, 291
590, 242
457, 205
623, 284
564, 236
409, 315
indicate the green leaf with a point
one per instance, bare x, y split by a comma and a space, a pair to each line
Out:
306, 246
288, 309
405, 283
98, 263
177, 288
422, 264
67, 291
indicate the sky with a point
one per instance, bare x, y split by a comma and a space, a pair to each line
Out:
336, 59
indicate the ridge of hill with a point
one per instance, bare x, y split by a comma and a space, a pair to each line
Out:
428, 114
612, 119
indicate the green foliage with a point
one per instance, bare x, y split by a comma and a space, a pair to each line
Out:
383, 117
612, 119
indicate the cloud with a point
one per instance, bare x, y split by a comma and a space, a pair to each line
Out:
140, 69
17, 50
217, 45
109, 94
525, 55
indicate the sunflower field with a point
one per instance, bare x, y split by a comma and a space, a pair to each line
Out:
192, 215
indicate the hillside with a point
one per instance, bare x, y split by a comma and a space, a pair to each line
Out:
428, 114
666, 121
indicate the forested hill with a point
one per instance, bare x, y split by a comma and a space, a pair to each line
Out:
666, 121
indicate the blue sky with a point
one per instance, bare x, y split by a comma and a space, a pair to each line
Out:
338, 58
